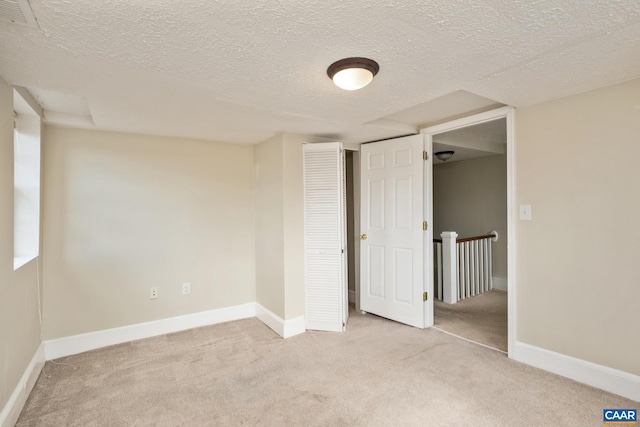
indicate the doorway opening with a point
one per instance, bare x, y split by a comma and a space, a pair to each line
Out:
352, 173
391, 261
470, 200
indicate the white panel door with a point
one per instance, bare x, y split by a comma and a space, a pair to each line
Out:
392, 266
326, 303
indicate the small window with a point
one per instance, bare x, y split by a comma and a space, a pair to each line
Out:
26, 182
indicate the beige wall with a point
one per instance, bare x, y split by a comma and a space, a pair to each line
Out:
269, 226
577, 261
19, 324
123, 213
293, 216
470, 198
280, 226
126, 212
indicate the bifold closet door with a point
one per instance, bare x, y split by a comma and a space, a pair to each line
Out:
325, 238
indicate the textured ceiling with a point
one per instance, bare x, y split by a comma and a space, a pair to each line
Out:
242, 71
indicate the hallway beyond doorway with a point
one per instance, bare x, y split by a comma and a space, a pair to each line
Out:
482, 318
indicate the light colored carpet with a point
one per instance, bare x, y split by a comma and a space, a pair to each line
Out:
482, 318
240, 373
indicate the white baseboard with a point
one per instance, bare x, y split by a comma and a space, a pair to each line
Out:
18, 398
352, 296
90, 341
599, 376
500, 283
294, 326
284, 328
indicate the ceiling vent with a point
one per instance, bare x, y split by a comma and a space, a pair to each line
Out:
18, 12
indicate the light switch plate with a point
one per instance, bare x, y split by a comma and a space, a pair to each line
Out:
525, 212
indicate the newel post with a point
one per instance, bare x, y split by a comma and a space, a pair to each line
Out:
449, 267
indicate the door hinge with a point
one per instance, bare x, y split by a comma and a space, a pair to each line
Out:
425, 296
425, 226
425, 155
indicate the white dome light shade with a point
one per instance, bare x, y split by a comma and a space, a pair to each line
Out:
352, 78
353, 73
444, 155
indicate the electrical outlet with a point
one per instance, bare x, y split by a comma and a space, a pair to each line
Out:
154, 293
186, 288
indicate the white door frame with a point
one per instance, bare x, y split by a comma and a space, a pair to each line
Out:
508, 114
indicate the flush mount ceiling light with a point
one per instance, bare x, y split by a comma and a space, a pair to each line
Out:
353, 73
444, 155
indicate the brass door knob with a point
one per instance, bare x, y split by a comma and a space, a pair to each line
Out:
363, 237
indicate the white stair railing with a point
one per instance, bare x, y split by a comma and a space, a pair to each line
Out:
463, 267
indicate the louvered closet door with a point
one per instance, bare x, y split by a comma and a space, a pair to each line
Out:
325, 279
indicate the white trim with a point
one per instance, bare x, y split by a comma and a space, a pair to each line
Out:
28, 99
22, 260
284, 328
294, 326
512, 306
356, 227
468, 340
599, 376
427, 241
487, 116
464, 122
500, 283
13, 407
350, 146
352, 296
84, 342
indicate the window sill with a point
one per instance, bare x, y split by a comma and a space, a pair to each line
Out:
22, 260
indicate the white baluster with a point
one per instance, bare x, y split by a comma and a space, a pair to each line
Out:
439, 264
471, 267
461, 294
467, 266
476, 255
487, 252
481, 265
490, 265
449, 270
